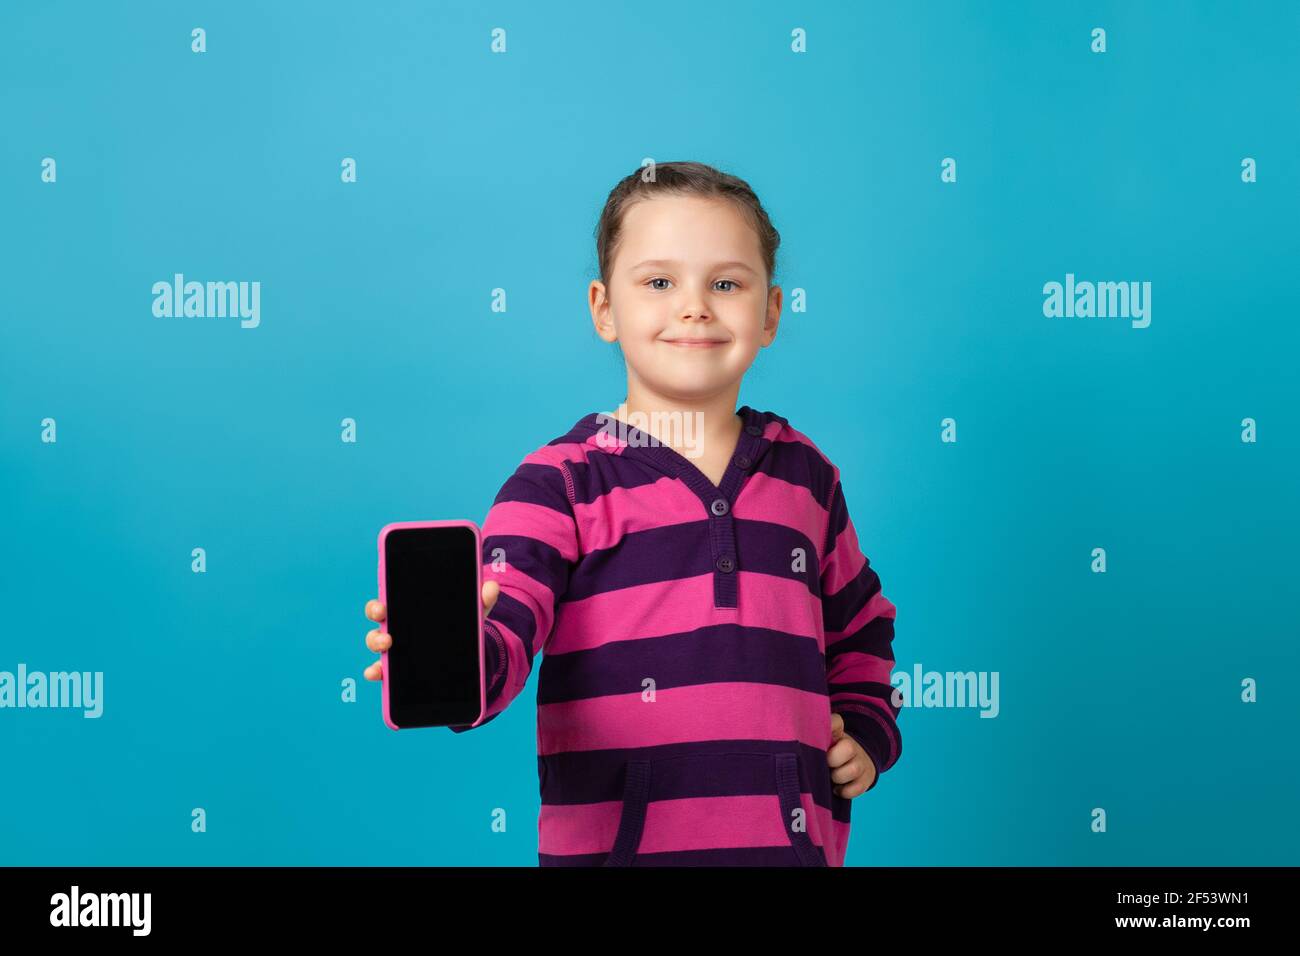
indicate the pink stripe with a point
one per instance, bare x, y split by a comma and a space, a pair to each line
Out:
736, 821
606, 442
699, 712
666, 502
694, 823
537, 597
588, 449
878, 606
855, 667
554, 454
534, 521
845, 561
838, 845
682, 605
571, 828
776, 501
620, 511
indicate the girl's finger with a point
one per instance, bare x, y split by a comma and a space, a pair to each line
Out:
375, 671
379, 641
839, 753
846, 772
375, 609
850, 790
491, 591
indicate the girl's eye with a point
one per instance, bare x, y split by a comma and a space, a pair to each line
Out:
731, 282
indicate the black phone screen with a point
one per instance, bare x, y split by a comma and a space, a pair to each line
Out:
433, 600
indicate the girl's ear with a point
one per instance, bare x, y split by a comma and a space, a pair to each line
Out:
598, 302
772, 318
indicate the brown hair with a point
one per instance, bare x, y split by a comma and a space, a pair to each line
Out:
682, 178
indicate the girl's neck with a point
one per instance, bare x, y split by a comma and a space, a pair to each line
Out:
713, 420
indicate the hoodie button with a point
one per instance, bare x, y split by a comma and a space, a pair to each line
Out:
719, 506
754, 429
743, 462
726, 564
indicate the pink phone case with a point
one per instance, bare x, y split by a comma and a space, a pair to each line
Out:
478, 603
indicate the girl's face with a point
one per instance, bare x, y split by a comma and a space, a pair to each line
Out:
688, 300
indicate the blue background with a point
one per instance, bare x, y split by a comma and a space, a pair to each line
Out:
222, 690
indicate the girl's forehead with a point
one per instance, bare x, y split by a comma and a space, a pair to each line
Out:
672, 226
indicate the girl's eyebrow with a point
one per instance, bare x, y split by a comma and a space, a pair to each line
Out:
734, 264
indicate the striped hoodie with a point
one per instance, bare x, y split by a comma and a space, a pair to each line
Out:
694, 641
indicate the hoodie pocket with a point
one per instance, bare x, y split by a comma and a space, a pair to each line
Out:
631, 822
787, 788
777, 772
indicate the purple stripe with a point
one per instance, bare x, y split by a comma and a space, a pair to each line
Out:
710, 768
684, 550
839, 609
726, 856
876, 637
538, 485
716, 653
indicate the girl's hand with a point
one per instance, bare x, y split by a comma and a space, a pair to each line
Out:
380, 641
850, 765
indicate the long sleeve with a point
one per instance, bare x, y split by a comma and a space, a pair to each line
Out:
530, 545
859, 630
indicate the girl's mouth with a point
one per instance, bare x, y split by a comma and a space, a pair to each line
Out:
695, 343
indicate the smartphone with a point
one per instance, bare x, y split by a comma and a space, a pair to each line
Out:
430, 581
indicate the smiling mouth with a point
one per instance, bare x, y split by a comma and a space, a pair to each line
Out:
694, 343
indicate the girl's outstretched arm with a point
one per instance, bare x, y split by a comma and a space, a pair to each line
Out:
530, 545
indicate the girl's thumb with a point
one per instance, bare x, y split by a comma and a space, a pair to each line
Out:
491, 591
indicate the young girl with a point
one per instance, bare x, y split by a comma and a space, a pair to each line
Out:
716, 650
